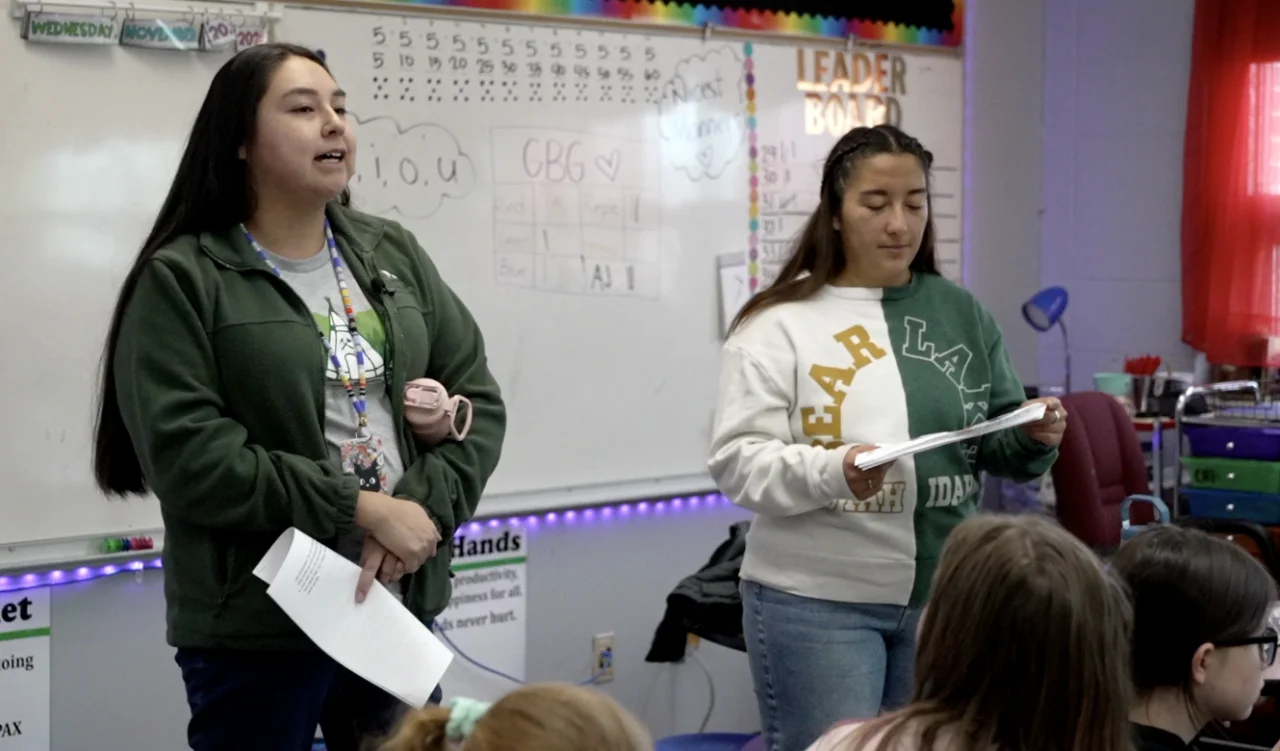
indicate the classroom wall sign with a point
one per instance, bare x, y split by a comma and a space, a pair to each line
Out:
24, 670
485, 618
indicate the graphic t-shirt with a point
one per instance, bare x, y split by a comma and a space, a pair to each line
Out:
314, 281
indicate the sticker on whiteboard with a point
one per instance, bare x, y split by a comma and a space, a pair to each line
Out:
218, 35
63, 28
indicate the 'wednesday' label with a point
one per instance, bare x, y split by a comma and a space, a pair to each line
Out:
62, 28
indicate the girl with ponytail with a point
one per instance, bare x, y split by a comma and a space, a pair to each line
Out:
544, 717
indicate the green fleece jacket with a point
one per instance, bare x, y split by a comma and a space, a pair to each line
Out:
220, 379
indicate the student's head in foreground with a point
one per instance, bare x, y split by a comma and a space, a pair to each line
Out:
1017, 649
544, 717
1201, 637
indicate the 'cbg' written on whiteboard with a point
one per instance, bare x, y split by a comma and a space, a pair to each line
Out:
575, 212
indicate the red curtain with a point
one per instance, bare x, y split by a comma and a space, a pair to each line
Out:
1231, 185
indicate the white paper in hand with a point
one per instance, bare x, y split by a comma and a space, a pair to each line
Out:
378, 640
890, 451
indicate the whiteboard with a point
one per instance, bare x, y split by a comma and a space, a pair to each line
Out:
606, 176
84, 175
578, 188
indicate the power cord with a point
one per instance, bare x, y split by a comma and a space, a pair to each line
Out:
593, 680
711, 691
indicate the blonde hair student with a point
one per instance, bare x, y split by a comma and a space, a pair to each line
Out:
1020, 650
544, 717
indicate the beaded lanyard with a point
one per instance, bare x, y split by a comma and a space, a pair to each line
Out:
357, 399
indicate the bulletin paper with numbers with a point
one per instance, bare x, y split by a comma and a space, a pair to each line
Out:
575, 210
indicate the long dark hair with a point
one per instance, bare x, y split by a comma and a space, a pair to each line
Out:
818, 250
1017, 647
210, 192
1188, 589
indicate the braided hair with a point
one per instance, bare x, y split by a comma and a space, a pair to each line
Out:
819, 250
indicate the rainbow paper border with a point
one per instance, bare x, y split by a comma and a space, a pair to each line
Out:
655, 11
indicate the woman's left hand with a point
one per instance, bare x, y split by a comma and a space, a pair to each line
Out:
1048, 429
376, 562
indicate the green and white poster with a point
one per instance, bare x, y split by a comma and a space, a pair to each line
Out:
24, 670
485, 619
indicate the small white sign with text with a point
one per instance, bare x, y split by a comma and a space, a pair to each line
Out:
485, 619
24, 670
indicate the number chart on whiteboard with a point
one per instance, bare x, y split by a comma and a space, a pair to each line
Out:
574, 187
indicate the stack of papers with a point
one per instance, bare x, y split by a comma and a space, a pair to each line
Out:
891, 451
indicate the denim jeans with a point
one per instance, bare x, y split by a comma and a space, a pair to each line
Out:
273, 701
817, 662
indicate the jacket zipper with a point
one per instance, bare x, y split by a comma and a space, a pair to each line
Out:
408, 449
299, 307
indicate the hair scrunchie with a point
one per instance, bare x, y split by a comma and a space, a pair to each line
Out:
464, 713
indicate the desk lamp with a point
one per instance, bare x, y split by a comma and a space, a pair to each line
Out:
1043, 311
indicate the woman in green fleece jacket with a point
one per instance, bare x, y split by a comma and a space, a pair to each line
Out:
858, 342
254, 379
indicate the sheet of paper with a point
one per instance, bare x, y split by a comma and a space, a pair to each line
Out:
890, 451
378, 639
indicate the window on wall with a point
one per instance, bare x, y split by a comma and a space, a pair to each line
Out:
1231, 185
1264, 129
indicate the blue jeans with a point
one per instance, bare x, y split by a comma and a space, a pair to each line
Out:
273, 701
817, 662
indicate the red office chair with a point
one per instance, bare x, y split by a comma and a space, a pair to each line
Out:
1100, 464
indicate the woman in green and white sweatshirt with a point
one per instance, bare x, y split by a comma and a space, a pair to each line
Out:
859, 342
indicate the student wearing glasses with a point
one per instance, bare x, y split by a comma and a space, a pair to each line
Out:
1202, 636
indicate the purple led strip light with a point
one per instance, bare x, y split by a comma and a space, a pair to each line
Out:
550, 518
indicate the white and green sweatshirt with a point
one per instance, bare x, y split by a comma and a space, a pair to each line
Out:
801, 382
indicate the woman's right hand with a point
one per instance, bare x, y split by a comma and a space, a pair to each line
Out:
864, 483
403, 527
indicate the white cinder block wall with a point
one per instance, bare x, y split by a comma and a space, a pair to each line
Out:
1115, 105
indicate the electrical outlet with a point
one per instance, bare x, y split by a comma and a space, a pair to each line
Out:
602, 657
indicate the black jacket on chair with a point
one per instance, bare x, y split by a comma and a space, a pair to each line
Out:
706, 604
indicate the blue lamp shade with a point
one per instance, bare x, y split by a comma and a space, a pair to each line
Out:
1045, 308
